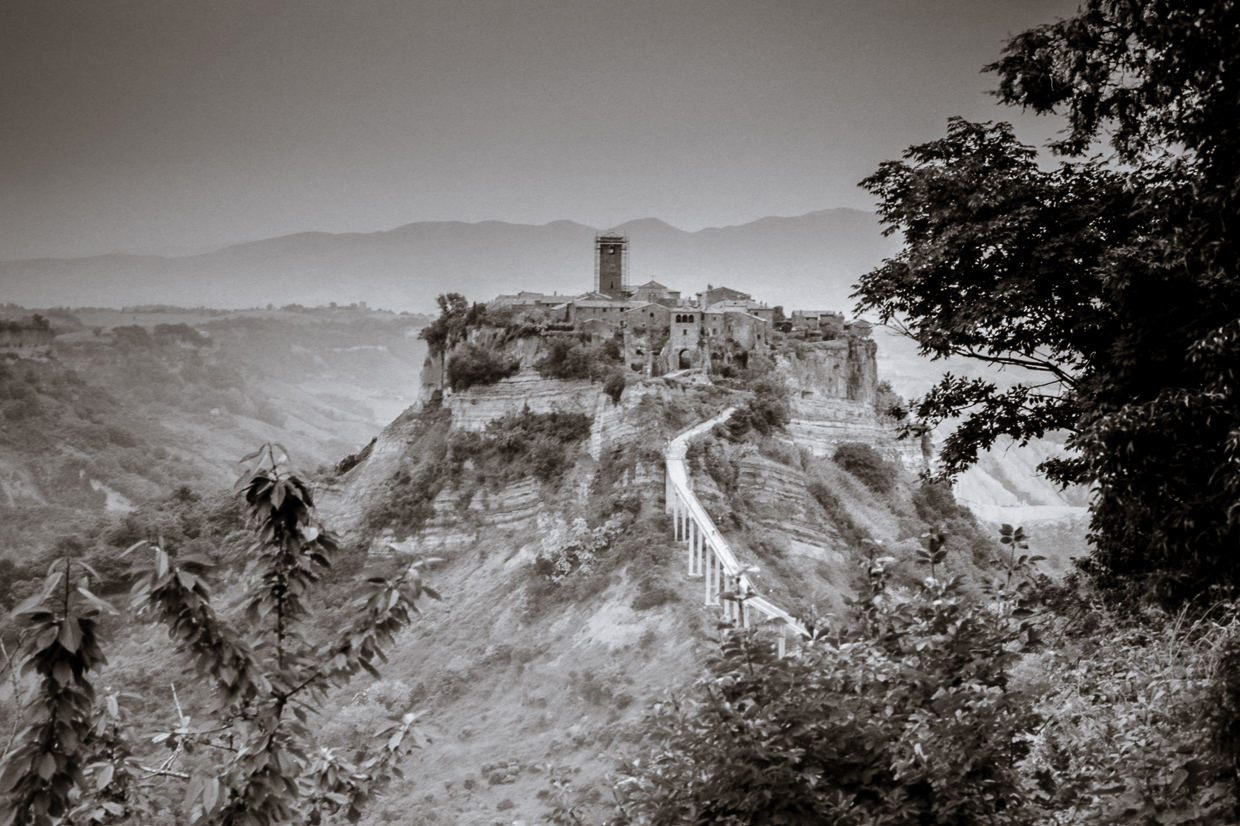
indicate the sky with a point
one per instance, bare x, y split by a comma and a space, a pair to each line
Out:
177, 126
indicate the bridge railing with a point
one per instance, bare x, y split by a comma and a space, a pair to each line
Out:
703, 536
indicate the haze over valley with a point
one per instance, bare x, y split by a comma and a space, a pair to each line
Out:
809, 260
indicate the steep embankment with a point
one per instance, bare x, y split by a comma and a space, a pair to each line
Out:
569, 604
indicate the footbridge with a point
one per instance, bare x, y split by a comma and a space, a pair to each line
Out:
710, 558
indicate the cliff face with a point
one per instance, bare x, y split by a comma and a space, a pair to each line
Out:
474, 408
844, 369
460, 518
832, 387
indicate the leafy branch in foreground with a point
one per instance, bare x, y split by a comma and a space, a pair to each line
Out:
934, 706
904, 717
256, 760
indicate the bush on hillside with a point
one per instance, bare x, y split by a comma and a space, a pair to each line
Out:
867, 466
888, 404
566, 360
766, 411
521, 444
614, 386
932, 707
474, 365
571, 358
903, 720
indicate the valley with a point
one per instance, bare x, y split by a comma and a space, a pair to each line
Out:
121, 407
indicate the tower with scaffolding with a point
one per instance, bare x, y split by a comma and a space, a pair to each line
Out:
611, 265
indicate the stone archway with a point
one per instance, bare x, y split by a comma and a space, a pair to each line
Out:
685, 359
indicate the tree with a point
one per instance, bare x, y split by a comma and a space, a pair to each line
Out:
445, 332
1111, 279
254, 759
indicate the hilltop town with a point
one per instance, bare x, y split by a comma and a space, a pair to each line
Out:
663, 330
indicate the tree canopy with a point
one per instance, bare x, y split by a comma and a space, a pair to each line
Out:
1112, 277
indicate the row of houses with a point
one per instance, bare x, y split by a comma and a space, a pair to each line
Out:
665, 331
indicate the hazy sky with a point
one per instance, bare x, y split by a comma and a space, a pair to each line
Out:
172, 125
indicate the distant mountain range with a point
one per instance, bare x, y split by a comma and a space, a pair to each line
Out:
809, 261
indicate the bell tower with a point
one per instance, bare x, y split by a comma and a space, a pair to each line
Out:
611, 265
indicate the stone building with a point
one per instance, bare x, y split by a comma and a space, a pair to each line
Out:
529, 299
656, 292
824, 321
684, 349
664, 332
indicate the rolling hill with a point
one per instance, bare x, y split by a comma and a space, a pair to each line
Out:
807, 261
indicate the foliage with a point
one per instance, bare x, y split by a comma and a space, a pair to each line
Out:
513, 447
708, 454
446, 331
522, 444
1130, 721
570, 358
1112, 281
907, 718
179, 334
75, 760
614, 385
474, 364
888, 404
1035, 705
577, 561
354, 459
867, 465
35, 322
570, 548
766, 411
457, 318
566, 359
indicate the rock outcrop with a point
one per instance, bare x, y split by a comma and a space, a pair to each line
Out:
475, 408
832, 388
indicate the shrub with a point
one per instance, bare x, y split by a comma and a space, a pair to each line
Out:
653, 597
566, 359
523, 444
474, 365
888, 404
902, 721
867, 466
765, 412
570, 358
614, 386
